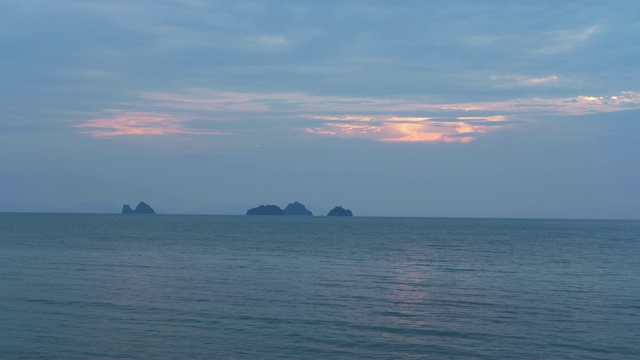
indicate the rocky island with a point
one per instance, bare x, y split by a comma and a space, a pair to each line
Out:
266, 210
142, 208
297, 209
340, 211
293, 209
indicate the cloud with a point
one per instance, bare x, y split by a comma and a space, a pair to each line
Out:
424, 132
525, 81
122, 122
497, 118
409, 129
566, 40
343, 118
269, 43
378, 119
575, 105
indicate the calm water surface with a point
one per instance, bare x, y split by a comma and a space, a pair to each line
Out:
203, 287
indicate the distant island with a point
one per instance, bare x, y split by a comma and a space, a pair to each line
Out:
340, 211
293, 209
266, 210
297, 209
142, 208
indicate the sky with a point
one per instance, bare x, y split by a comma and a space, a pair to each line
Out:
388, 108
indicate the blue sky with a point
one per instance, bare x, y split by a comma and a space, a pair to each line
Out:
405, 108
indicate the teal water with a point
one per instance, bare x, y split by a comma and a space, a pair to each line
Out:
205, 287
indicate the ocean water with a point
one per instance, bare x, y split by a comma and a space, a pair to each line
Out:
237, 287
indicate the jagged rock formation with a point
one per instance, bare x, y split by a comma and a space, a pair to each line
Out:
297, 209
142, 208
266, 210
340, 211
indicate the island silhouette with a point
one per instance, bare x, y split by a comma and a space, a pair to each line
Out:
340, 211
297, 209
142, 208
266, 210
294, 209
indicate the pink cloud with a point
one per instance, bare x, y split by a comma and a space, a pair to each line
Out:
121, 123
410, 129
446, 132
379, 119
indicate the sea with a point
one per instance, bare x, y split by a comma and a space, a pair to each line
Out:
111, 286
